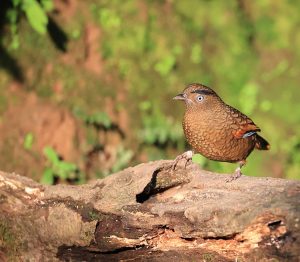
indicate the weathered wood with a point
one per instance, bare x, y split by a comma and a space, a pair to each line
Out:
148, 213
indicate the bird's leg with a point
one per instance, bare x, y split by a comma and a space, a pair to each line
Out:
186, 155
237, 172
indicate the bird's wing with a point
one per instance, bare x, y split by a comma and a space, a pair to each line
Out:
244, 126
245, 130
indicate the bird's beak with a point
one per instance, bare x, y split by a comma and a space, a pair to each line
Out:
179, 97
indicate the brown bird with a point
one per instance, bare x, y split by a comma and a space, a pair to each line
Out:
216, 130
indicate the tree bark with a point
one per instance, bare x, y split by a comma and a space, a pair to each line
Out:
149, 213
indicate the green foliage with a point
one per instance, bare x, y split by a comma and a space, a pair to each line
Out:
47, 5
9, 243
94, 215
199, 159
35, 12
12, 18
196, 53
58, 168
99, 118
248, 98
36, 15
109, 19
165, 65
249, 53
208, 257
75, 34
157, 128
48, 177
28, 141
123, 158
96, 119
293, 167
102, 119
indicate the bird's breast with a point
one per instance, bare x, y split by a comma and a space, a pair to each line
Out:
212, 136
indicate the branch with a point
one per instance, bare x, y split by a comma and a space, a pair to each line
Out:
148, 212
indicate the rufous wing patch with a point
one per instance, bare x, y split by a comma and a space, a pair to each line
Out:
246, 130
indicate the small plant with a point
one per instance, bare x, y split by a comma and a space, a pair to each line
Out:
57, 168
94, 215
165, 65
123, 158
158, 129
35, 12
109, 19
99, 119
208, 257
96, 119
28, 141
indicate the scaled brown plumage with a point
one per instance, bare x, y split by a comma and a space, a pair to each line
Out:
217, 130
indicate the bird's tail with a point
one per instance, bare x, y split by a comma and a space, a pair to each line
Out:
261, 143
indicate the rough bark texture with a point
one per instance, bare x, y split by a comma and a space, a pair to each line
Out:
148, 213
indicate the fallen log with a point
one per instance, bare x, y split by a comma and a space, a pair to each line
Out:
149, 213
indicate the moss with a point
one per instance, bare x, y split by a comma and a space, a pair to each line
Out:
86, 211
208, 257
8, 241
94, 215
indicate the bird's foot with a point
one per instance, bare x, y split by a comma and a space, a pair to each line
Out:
187, 156
236, 175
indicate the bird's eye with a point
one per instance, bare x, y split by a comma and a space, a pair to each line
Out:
199, 98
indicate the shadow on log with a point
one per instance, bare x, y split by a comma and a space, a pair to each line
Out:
148, 213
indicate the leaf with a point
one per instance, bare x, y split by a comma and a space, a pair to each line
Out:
165, 65
78, 112
62, 174
47, 5
12, 16
28, 141
162, 135
36, 16
100, 118
65, 169
123, 157
51, 155
145, 105
109, 19
15, 43
48, 177
148, 135
16, 2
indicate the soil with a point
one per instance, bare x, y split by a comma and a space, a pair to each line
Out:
50, 125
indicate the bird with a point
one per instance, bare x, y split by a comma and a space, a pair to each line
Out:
216, 130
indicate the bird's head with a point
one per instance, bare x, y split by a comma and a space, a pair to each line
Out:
198, 96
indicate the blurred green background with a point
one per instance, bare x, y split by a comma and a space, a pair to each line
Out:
86, 87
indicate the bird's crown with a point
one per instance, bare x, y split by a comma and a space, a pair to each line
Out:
199, 88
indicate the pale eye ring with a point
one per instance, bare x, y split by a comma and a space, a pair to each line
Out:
199, 98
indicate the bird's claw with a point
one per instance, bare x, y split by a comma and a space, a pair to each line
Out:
236, 175
186, 155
